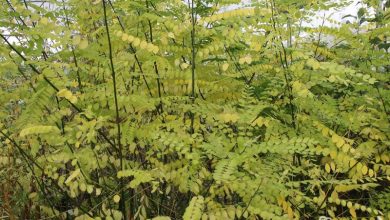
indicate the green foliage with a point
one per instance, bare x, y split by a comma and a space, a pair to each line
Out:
193, 110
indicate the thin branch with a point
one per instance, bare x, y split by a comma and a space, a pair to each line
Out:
117, 121
133, 51
78, 109
192, 63
319, 36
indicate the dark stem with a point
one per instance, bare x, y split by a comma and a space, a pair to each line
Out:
192, 63
73, 53
319, 37
284, 63
55, 88
29, 159
117, 121
133, 51
158, 86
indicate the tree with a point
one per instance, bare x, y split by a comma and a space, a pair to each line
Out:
193, 109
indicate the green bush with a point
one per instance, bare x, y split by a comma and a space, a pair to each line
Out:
193, 110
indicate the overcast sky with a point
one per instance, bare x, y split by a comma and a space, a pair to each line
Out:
338, 14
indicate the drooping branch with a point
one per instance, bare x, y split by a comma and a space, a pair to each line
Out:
78, 109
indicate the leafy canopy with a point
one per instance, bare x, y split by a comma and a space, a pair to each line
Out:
152, 109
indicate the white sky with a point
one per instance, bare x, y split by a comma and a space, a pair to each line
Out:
338, 15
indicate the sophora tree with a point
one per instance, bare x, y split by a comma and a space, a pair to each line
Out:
193, 109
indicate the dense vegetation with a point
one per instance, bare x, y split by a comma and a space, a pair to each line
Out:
206, 109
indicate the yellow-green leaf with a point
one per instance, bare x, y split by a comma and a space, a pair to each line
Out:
364, 170
72, 176
64, 93
116, 198
83, 44
39, 129
327, 168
